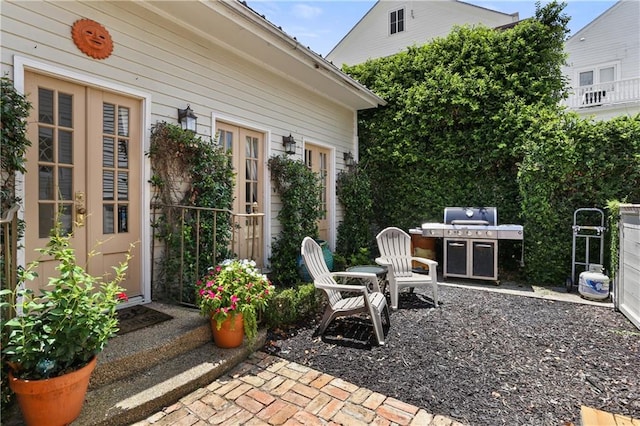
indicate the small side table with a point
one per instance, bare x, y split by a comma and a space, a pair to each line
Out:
380, 271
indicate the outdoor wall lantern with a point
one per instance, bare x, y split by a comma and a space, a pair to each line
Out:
289, 144
187, 119
348, 159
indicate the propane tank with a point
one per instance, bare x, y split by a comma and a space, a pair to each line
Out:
593, 284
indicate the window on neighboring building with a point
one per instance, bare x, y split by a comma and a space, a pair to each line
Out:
607, 74
396, 21
595, 83
586, 78
597, 75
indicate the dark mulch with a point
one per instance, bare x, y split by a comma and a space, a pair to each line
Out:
485, 358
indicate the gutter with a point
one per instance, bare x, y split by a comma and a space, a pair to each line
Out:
317, 60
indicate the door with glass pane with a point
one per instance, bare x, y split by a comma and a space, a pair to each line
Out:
247, 148
595, 84
84, 168
317, 159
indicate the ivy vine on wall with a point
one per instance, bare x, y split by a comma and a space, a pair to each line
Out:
299, 189
14, 110
188, 171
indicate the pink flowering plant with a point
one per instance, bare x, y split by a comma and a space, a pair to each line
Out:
235, 286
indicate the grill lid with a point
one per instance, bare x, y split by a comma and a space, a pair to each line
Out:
471, 216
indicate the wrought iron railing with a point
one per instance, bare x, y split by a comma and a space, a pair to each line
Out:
611, 93
200, 238
9, 251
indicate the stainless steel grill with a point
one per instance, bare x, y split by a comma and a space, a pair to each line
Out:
471, 236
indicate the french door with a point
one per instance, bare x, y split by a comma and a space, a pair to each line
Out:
247, 149
83, 171
317, 159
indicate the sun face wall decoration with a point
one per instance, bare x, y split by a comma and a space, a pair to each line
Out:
92, 38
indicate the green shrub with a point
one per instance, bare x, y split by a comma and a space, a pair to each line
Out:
613, 206
68, 322
473, 119
447, 102
291, 305
14, 110
570, 163
353, 189
361, 257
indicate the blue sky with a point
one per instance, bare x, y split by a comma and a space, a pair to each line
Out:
321, 24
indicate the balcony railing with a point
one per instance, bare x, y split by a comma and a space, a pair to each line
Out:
611, 93
199, 241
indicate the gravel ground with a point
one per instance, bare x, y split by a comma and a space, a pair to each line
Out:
484, 358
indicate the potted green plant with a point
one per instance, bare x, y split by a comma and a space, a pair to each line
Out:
232, 294
55, 336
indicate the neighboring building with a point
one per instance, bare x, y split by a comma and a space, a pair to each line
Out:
390, 27
100, 74
603, 66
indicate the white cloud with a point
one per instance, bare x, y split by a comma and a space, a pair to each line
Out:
305, 11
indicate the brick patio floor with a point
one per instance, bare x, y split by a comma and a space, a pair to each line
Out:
267, 390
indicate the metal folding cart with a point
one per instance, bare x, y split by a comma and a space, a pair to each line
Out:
589, 233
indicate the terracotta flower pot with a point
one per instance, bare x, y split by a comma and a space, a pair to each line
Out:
231, 332
52, 402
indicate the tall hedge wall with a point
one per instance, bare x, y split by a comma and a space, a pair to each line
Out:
474, 119
569, 163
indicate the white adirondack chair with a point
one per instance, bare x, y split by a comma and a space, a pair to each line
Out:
372, 302
395, 253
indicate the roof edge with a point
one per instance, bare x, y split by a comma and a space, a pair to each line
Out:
349, 82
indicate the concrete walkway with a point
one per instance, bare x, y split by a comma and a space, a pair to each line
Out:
540, 292
267, 390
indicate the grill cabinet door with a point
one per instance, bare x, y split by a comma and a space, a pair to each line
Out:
456, 257
483, 259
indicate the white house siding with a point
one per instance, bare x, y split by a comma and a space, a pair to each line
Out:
175, 67
424, 20
613, 38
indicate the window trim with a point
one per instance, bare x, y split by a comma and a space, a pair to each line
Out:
596, 72
393, 26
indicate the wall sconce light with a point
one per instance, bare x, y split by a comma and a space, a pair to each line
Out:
187, 119
289, 144
348, 159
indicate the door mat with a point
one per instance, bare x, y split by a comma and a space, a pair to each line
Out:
137, 317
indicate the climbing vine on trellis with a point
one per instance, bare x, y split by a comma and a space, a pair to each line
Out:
188, 171
299, 189
13, 140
